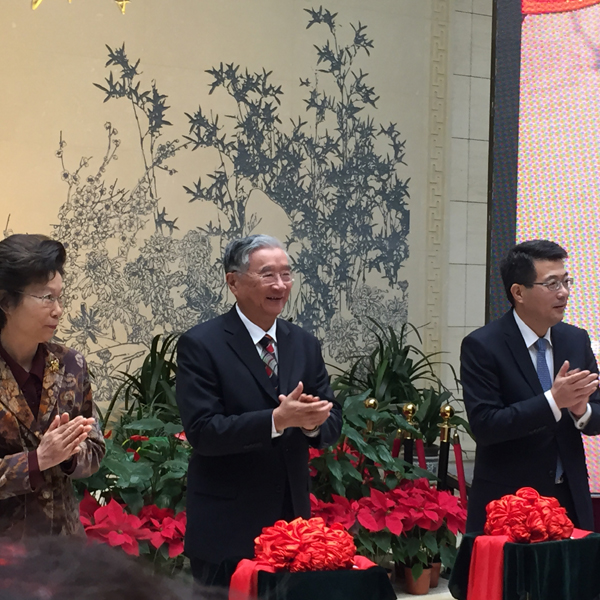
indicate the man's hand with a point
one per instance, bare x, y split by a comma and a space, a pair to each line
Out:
300, 410
62, 439
572, 389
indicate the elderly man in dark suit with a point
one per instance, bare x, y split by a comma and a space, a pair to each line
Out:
254, 394
531, 389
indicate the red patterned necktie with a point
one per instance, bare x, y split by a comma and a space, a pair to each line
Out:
267, 353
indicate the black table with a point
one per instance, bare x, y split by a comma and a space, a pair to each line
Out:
563, 570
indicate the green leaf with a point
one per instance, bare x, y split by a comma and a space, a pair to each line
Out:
338, 487
164, 551
391, 481
133, 498
417, 570
382, 539
175, 465
172, 475
448, 555
412, 546
147, 424
123, 470
173, 428
385, 456
365, 540
334, 466
430, 543
349, 470
144, 547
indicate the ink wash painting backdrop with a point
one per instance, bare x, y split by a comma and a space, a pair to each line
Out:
146, 142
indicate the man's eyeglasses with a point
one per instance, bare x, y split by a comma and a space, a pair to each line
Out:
269, 277
556, 284
48, 300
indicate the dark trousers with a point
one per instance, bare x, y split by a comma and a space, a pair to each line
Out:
209, 574
562, 493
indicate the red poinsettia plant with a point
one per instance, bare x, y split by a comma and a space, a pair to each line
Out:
414, 522
527, 517
154, 530
305, 545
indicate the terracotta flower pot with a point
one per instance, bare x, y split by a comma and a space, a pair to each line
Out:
420, 586
436, 567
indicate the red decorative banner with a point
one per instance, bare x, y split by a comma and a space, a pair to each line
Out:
538, 7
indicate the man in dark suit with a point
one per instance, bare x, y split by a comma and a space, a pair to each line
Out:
530, 387
254, 394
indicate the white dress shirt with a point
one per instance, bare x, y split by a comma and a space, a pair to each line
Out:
530, 338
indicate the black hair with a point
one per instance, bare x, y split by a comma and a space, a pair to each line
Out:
26, 259
518, 265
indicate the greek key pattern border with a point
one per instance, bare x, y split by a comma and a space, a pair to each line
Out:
436, 174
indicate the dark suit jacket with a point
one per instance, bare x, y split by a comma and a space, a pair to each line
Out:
518, 438
237, 473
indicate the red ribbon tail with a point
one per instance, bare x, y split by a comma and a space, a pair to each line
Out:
579, 533
244, 582
486, 572
362, 562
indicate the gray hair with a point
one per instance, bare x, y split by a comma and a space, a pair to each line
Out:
237, 253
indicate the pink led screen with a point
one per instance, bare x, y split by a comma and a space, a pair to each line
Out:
559, 155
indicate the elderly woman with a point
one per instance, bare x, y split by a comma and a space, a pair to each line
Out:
49, 432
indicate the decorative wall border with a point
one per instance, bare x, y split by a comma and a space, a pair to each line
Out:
438, 83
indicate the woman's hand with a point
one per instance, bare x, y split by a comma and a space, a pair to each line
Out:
62, 439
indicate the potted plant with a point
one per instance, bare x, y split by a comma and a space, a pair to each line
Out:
410, 524
150, 390
433, 519
393, 370
136, 500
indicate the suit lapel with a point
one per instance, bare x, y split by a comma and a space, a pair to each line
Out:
240, 342
559, 347
285, 351
518, 349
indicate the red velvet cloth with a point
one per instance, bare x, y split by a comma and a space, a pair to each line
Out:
486, 571
536, 7
244, 582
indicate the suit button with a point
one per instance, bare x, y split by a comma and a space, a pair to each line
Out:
46, 494
551, 474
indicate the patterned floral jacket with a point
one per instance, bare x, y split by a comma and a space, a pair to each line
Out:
52, 508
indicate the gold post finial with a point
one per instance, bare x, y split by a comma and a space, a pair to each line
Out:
371, 403
446, 412
409, 410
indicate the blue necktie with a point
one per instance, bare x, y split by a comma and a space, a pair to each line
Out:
543, 372
545, 378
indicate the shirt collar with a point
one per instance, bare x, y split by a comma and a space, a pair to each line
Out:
256, 332
529, 336
19, 373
